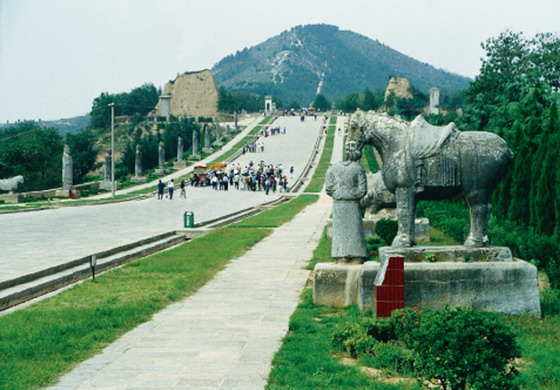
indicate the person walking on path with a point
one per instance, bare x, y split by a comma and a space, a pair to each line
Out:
183, 192
171, 187
160, 187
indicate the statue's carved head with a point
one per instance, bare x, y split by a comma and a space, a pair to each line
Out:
353, 153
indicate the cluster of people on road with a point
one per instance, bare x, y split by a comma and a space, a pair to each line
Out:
253, 177
170, 189
258, 147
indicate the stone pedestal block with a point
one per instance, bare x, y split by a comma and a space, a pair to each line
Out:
11, 198
506, 287
139, 179
448, 253
179, 165
500, 285
336, 285
106, 185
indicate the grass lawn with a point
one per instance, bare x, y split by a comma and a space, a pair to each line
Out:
279, 214
41, 342
318, 179
308, 359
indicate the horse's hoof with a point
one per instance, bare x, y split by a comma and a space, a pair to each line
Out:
471, 242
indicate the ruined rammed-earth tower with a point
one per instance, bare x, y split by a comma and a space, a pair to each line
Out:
192, 94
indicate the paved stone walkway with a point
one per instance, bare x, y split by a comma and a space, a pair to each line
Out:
223, 337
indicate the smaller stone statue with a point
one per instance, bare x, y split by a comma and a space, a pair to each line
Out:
195, 142
207, 147
179, 149
138, 162
67, 167
108, 167
346, 183
161, 155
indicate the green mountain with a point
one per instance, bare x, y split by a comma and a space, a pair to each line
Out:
306, 60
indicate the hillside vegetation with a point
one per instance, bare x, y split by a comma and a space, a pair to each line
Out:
307, 60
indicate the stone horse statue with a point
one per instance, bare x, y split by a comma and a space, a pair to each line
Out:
421, 161
11, 184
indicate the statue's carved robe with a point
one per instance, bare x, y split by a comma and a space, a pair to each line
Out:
346, 183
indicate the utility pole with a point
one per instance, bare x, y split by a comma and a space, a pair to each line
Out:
112, 105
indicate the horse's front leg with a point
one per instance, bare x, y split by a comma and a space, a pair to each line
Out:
479, 211
406, 210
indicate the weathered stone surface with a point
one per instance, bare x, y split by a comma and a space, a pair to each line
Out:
67, 167
500, 286
346, 183
161, 155
11, 198
336, 285
11, 184
448, 253
366, 285
194, 94
399, 87
434, 101
180, 150
138, 162
425, 162
506, 287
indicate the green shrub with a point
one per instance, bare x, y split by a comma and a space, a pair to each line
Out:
354, 340
360, 337
393, 356
386, 229
462, 348
373, 244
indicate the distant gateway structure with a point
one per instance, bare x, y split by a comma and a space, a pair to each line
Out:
190, 94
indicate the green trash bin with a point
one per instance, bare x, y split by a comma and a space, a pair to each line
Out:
189, 219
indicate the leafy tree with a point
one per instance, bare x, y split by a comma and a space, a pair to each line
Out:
321, 103
237, 101
36, 155
139, 101
84, 154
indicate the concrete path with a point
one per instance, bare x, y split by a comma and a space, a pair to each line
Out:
223, 337
33, 241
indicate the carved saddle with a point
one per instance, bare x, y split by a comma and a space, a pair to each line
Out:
435, 165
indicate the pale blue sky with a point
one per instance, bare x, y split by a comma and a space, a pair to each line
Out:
56, 56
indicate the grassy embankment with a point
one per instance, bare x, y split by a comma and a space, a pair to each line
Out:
308, 359
318, 179
41, 342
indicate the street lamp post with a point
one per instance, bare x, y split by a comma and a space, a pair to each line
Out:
112, 105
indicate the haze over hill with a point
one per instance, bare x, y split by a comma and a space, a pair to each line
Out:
306, 60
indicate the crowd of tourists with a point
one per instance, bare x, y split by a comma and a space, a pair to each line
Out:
253, 177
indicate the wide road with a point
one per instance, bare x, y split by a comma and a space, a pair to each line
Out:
31, 241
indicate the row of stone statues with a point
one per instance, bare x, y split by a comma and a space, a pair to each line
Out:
67, 163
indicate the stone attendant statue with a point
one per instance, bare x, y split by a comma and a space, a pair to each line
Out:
179, 149
108, 167
207, 138
161, 155
194, 143
67, 167
421, 161
346, 183
138, 162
